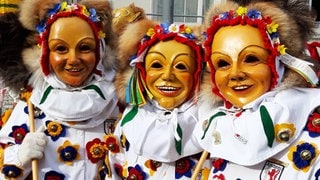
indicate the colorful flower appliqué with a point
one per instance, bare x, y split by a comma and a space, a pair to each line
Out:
96, 150
303, 155
11, 171
136, 173
55, 130
152, 165
313, 125
124, 142
68, 152
112, 144
219, 164
284, 132
37, 112
119, 170
184, 167
19, 132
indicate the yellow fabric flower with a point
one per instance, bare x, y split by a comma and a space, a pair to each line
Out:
150, 32
273, 27
63, 6
101, 34
188, 30
282, 49
241, 11
287, 128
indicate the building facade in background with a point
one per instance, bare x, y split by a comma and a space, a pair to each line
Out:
184, 11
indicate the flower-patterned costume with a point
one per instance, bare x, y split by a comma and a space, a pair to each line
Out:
68, 123
274, 137
152, 141
148, 141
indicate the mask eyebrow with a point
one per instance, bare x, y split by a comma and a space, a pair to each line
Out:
219, 52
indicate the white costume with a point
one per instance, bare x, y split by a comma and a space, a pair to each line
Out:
82, 113
72, 113
273, 134
241, 137
151, 136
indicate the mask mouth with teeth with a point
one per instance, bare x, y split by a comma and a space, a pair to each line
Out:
150, 34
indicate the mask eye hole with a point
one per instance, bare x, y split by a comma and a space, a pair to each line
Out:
181, 66
223, 64
251, 59
156, 65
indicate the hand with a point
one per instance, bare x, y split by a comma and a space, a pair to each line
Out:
32, 146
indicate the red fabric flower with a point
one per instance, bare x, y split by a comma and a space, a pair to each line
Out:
112, 143
313, 124
219, 164
18, 133
158, 29
136, 173
119, 170
96, 150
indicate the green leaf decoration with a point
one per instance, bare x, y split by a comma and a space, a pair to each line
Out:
267, 125
178, 143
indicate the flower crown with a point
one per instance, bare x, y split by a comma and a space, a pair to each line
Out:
271, 27
136, 89
161, 32
61, 10
64, 7
166, 28
242, 16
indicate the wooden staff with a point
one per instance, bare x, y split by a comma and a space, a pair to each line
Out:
32, 129
199, 165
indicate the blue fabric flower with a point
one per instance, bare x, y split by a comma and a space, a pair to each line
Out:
299, 159
93, 15
11, 171
254, 14
55, 9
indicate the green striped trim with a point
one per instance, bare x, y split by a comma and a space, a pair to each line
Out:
97, 89
267, 125
179, 143
130, 115
45, 94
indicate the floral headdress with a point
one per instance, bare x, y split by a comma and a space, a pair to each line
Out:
269, 32
136, 89
61, 10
